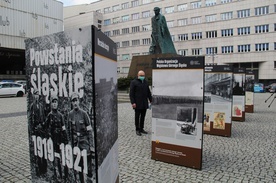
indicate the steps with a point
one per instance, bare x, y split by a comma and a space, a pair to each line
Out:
123, 97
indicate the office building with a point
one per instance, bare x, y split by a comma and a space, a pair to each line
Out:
238, 32
20, 20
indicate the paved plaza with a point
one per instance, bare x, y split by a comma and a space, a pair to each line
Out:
247, 156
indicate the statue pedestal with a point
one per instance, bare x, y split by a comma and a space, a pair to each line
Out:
144, 62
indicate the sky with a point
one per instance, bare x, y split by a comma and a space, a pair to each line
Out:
76, 2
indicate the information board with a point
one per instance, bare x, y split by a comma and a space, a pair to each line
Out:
218, 100
177, 110
70, 138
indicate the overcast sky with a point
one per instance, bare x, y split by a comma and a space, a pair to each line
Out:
76, 2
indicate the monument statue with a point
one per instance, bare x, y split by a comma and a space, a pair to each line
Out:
161, 37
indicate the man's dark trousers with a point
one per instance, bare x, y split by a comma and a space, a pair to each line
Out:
140, 119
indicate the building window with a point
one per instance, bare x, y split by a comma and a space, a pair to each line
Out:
182, 22
182, 37
274, 45
116, 7
226, 1
125, 5
98, 11
262, 47
125, 43
261, 28
274, 64
125, 70
196, 20
116, 20
243, 13
106, 10
125, 31
170, 24
226, 16
243, 30
244, 48
227, 49
196, 4
210, 2
173, 38
146, 14
211, 50
182, 7
107, 33
135, 54
125, 18
136, 42
116, 32
274, 27
118, 44
107, 22
196, 35
145, 53
146, 27
169, 9
146, 41
226, 32
135, 16
183, 52
135, 29
197, 51
146, 1
125, 57
211, 34
211, 18
134, 3
262, 10
99, 24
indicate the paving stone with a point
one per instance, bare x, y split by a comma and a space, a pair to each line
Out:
246, 156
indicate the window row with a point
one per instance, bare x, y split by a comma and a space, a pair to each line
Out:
194, 20
195, 35
226, 49
135, 42
182, 7
209, 50
170, 9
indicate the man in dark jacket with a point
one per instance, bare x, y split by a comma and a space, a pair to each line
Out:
140, 95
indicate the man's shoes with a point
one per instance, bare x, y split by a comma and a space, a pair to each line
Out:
138, 133
143, 131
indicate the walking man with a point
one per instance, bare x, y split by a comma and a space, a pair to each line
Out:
140, 96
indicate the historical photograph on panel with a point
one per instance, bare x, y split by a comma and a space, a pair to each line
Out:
179, 100
106, 106
237, 111
249, 83
186, 120
206, 118
218, 87
59, 82
249, 99
105, 62
239, 84
219, 120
